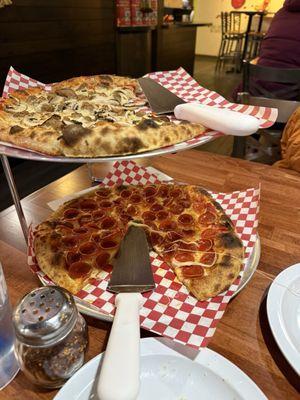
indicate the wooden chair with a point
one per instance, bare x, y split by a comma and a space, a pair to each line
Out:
267, 141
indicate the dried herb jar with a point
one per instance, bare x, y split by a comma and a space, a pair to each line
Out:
51, 336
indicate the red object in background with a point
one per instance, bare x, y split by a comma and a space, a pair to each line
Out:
136, 13
237, 3
123, 13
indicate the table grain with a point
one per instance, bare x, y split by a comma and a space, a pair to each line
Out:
243, 335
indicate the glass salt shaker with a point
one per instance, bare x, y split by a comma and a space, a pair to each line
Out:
51, 336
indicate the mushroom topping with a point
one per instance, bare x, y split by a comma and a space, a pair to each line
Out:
54, 121
15, 129
72, 133
65, 92
47, 107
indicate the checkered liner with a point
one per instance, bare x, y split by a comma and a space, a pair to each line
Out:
169, 310
184, 86
179, 82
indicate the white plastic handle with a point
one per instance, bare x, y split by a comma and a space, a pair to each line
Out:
219, 119
120, 371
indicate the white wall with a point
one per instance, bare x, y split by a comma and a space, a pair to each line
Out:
208, 39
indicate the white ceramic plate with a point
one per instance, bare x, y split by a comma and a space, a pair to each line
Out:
170, 371
283, 309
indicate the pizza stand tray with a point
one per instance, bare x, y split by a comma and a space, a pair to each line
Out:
251, 266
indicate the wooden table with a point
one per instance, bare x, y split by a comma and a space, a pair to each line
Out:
243, 335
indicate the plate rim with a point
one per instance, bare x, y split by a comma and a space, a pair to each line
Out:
274, 301
209, 358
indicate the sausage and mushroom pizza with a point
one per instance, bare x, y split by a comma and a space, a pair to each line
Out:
96, 116
184, 225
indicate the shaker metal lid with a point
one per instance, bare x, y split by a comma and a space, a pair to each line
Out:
44, 316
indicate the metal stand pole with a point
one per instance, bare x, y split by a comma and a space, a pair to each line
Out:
15, 195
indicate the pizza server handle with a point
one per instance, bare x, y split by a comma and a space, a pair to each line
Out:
119, 374
219, 119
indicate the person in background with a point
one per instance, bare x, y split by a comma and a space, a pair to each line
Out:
281, 46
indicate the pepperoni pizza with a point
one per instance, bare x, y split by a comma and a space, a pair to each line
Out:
184, 225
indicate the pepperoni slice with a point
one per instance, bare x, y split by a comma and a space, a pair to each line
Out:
168, 201
175, 193
108, 223
96, 237
71, 213
208, 218
84, 219
125, 217
192, 271
162, 215
150, 200
136, 198
88, 248
168, 225
69, 241
176, 209
79, 269
72, 257
156, 207
188, 232
132, 210
118, 201
204, 245
111, 235
105, 204
102, 260
82, 230
152, 225
199, 207
208, 259
125, 193
88, 204
173, 236
92, 226
74, 203
97, 215
156, 239
187, 246
103, 192
185, 203
186, 219
148, 216
108, 244
163, 191
149, 191
184, 257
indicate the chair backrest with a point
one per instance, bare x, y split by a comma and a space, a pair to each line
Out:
235, 21
225, 22
285, 107
269, 82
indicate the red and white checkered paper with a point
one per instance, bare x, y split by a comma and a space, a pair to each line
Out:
170, 310
178, 82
